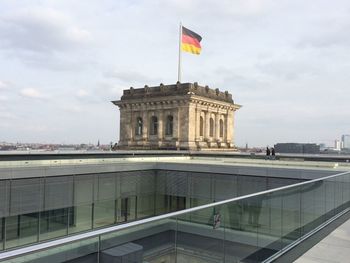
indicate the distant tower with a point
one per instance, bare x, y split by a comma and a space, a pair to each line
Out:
345, 139
180, 116
337, 145
98, 143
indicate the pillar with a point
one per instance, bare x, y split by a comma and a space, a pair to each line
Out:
145, 124
206, 125
161, 124
217, 126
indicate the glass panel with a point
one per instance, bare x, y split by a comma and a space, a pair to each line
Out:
290, 215
4, 198
104, 213
329, 198
320, 202
155, 241
241, 221
58, 192
84, 250
270, 224
145, 206
2, 227
26, 196
53, 223
338, 194
21, 230
80, 218
346, 193
161, 204
202, 236
83, 189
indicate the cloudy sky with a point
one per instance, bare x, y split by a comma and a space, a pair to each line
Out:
62, 62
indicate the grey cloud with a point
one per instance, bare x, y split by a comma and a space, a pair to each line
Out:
130, 77
32, 93
4, 85
40, 30
232, 79
332, 34
288, 70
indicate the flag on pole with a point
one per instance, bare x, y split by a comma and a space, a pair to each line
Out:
190, 41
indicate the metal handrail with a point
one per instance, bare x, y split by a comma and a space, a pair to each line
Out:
95, 233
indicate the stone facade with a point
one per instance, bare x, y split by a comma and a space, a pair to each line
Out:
180, 116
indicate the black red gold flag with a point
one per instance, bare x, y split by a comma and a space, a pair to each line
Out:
190, 41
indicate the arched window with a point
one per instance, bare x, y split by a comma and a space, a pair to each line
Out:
138, 128
154, 126
221, 128
169, 125
211, 127
201, 124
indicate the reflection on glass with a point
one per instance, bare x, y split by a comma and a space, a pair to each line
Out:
241, 222
145, 206
2, 222
290, 215
104, 213
53, 223
270, 225
21, 230
81, 218
204, 234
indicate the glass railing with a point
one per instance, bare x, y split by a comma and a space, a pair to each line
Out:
253, 228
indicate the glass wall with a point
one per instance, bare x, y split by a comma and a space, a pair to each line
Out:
44, 208
249, 229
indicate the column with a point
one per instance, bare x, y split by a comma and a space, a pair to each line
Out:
161, 124
132, 124
229, 127
225, 128
196, 134
176, 128
217, 126
206, 125
145, 124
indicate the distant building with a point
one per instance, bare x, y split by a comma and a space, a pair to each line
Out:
345, 140
179, 116
337, 145
323, 146
301, 148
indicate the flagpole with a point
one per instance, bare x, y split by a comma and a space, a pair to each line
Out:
179, 63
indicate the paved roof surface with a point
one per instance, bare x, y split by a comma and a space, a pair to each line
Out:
333, 248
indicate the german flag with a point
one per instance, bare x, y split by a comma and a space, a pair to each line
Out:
190, 41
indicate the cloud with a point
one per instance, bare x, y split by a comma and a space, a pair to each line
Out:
7, 115
130, 77
3, 98
327, 40
32, 93
288, 69
73, 108
82, 93
225, 8
40, 30
3, 85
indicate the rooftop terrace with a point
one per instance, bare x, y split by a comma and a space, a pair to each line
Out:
234, 207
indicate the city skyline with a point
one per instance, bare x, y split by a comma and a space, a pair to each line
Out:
63, 62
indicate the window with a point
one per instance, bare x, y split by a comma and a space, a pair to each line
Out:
138, 130
201, 126
154, 126
211, 127
221, 128
169, 125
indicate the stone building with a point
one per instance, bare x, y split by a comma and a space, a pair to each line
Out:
180, 116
